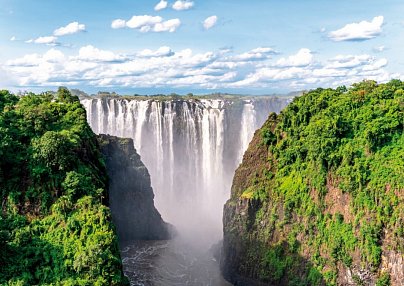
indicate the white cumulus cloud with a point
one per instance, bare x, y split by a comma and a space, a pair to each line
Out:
47, 40
210, 22
361, 31
25, 61
182, 5
71, 28
137, 22
54, 56
161, 5
90, 53
167, 26
146, 23
118, 24
260, 53
303, 57
348, 61
160, 52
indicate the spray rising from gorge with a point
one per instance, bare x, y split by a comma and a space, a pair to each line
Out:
191, 148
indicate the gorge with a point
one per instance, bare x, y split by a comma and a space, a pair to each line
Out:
316, 200
191, 147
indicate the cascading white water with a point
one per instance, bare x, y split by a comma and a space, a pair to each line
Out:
191, 149
248, 127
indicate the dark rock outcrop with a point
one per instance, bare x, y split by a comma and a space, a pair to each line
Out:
130, 192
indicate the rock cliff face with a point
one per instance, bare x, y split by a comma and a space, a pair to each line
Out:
241, 241
130, 192
319, 196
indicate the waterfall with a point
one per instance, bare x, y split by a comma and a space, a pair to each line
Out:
248, 127
190, 147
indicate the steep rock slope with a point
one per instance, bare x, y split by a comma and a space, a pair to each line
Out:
319, 196
130, 193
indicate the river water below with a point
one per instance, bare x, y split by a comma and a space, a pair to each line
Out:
170, 263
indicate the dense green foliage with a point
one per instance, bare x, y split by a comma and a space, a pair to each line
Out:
54, 227
336, 181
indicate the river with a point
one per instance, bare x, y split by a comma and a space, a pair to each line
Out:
170, 263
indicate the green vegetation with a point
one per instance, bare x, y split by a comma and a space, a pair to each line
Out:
335, 182
384, 280
54, 226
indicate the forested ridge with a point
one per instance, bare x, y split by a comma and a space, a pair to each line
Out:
321, 191
55, 227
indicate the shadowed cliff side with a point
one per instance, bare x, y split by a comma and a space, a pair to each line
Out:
130, 192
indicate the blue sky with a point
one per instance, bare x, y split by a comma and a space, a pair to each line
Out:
198, 46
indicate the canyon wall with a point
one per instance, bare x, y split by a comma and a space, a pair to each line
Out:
130, 194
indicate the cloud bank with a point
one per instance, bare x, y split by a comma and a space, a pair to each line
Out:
259, 68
